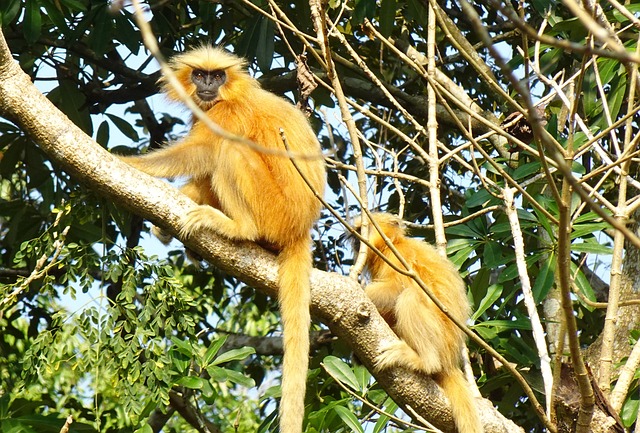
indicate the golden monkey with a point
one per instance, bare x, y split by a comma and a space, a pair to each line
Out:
248, 195
429, 341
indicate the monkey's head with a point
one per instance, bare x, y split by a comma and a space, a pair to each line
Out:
391, 225
209, 75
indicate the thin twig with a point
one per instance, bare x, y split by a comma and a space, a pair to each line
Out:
622, 215
67, 423
529, 301
432, 130
627, 373
320, 23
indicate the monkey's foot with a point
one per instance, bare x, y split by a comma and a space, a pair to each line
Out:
201, 218
391, 355
400, 353
162, 236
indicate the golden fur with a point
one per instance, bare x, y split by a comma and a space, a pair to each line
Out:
429, 341
248, 195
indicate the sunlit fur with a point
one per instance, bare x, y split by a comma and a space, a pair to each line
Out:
257, 196
429, 341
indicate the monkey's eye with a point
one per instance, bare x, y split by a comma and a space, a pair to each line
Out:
218, 75
198, 74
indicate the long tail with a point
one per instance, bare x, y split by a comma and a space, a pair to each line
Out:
465, 412
295, 297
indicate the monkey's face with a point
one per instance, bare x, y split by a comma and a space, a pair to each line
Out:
207, 84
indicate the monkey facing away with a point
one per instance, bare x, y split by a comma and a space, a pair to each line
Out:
248, 195
429, 341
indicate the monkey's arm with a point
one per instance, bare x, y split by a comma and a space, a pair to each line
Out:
188, 157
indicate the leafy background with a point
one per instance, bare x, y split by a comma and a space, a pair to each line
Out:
99, 322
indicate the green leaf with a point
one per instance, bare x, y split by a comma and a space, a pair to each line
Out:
464, 231
479, 198
55, 15
100, 36
463, 255
207, 390
73, 103
543, 6
591, 247
341, 371
146, 428
387, 16
608, 69
509, 273
616, 95
220, 374
11, 156
494, 292
32, 21
504, 325
191, 382
363, 376
633, 8
126, 33
583, 284
493, 255
390, 407
265, 45
180, 361
14, 426
213, 349
417, 10
74, 5
124, 127
590, 98
364, 9
545, 278
629, 412
182, 346
102, 136
526, 170
9, 11
349, 418
234, 355
249, 41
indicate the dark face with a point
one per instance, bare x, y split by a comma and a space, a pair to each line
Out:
207, 83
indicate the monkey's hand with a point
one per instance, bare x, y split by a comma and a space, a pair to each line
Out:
399, 353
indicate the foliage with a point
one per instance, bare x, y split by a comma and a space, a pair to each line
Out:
95, 327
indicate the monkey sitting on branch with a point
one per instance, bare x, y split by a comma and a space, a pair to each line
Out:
250, 193
429, 341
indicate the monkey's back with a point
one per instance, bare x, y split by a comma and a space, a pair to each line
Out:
418, 320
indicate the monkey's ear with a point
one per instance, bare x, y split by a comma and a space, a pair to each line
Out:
399, 223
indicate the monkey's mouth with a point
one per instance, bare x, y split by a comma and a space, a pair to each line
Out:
207, 96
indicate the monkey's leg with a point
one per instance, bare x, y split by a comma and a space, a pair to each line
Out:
386, 295
424, 337
383, 294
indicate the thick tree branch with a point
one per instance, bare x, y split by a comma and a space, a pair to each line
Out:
336, 300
